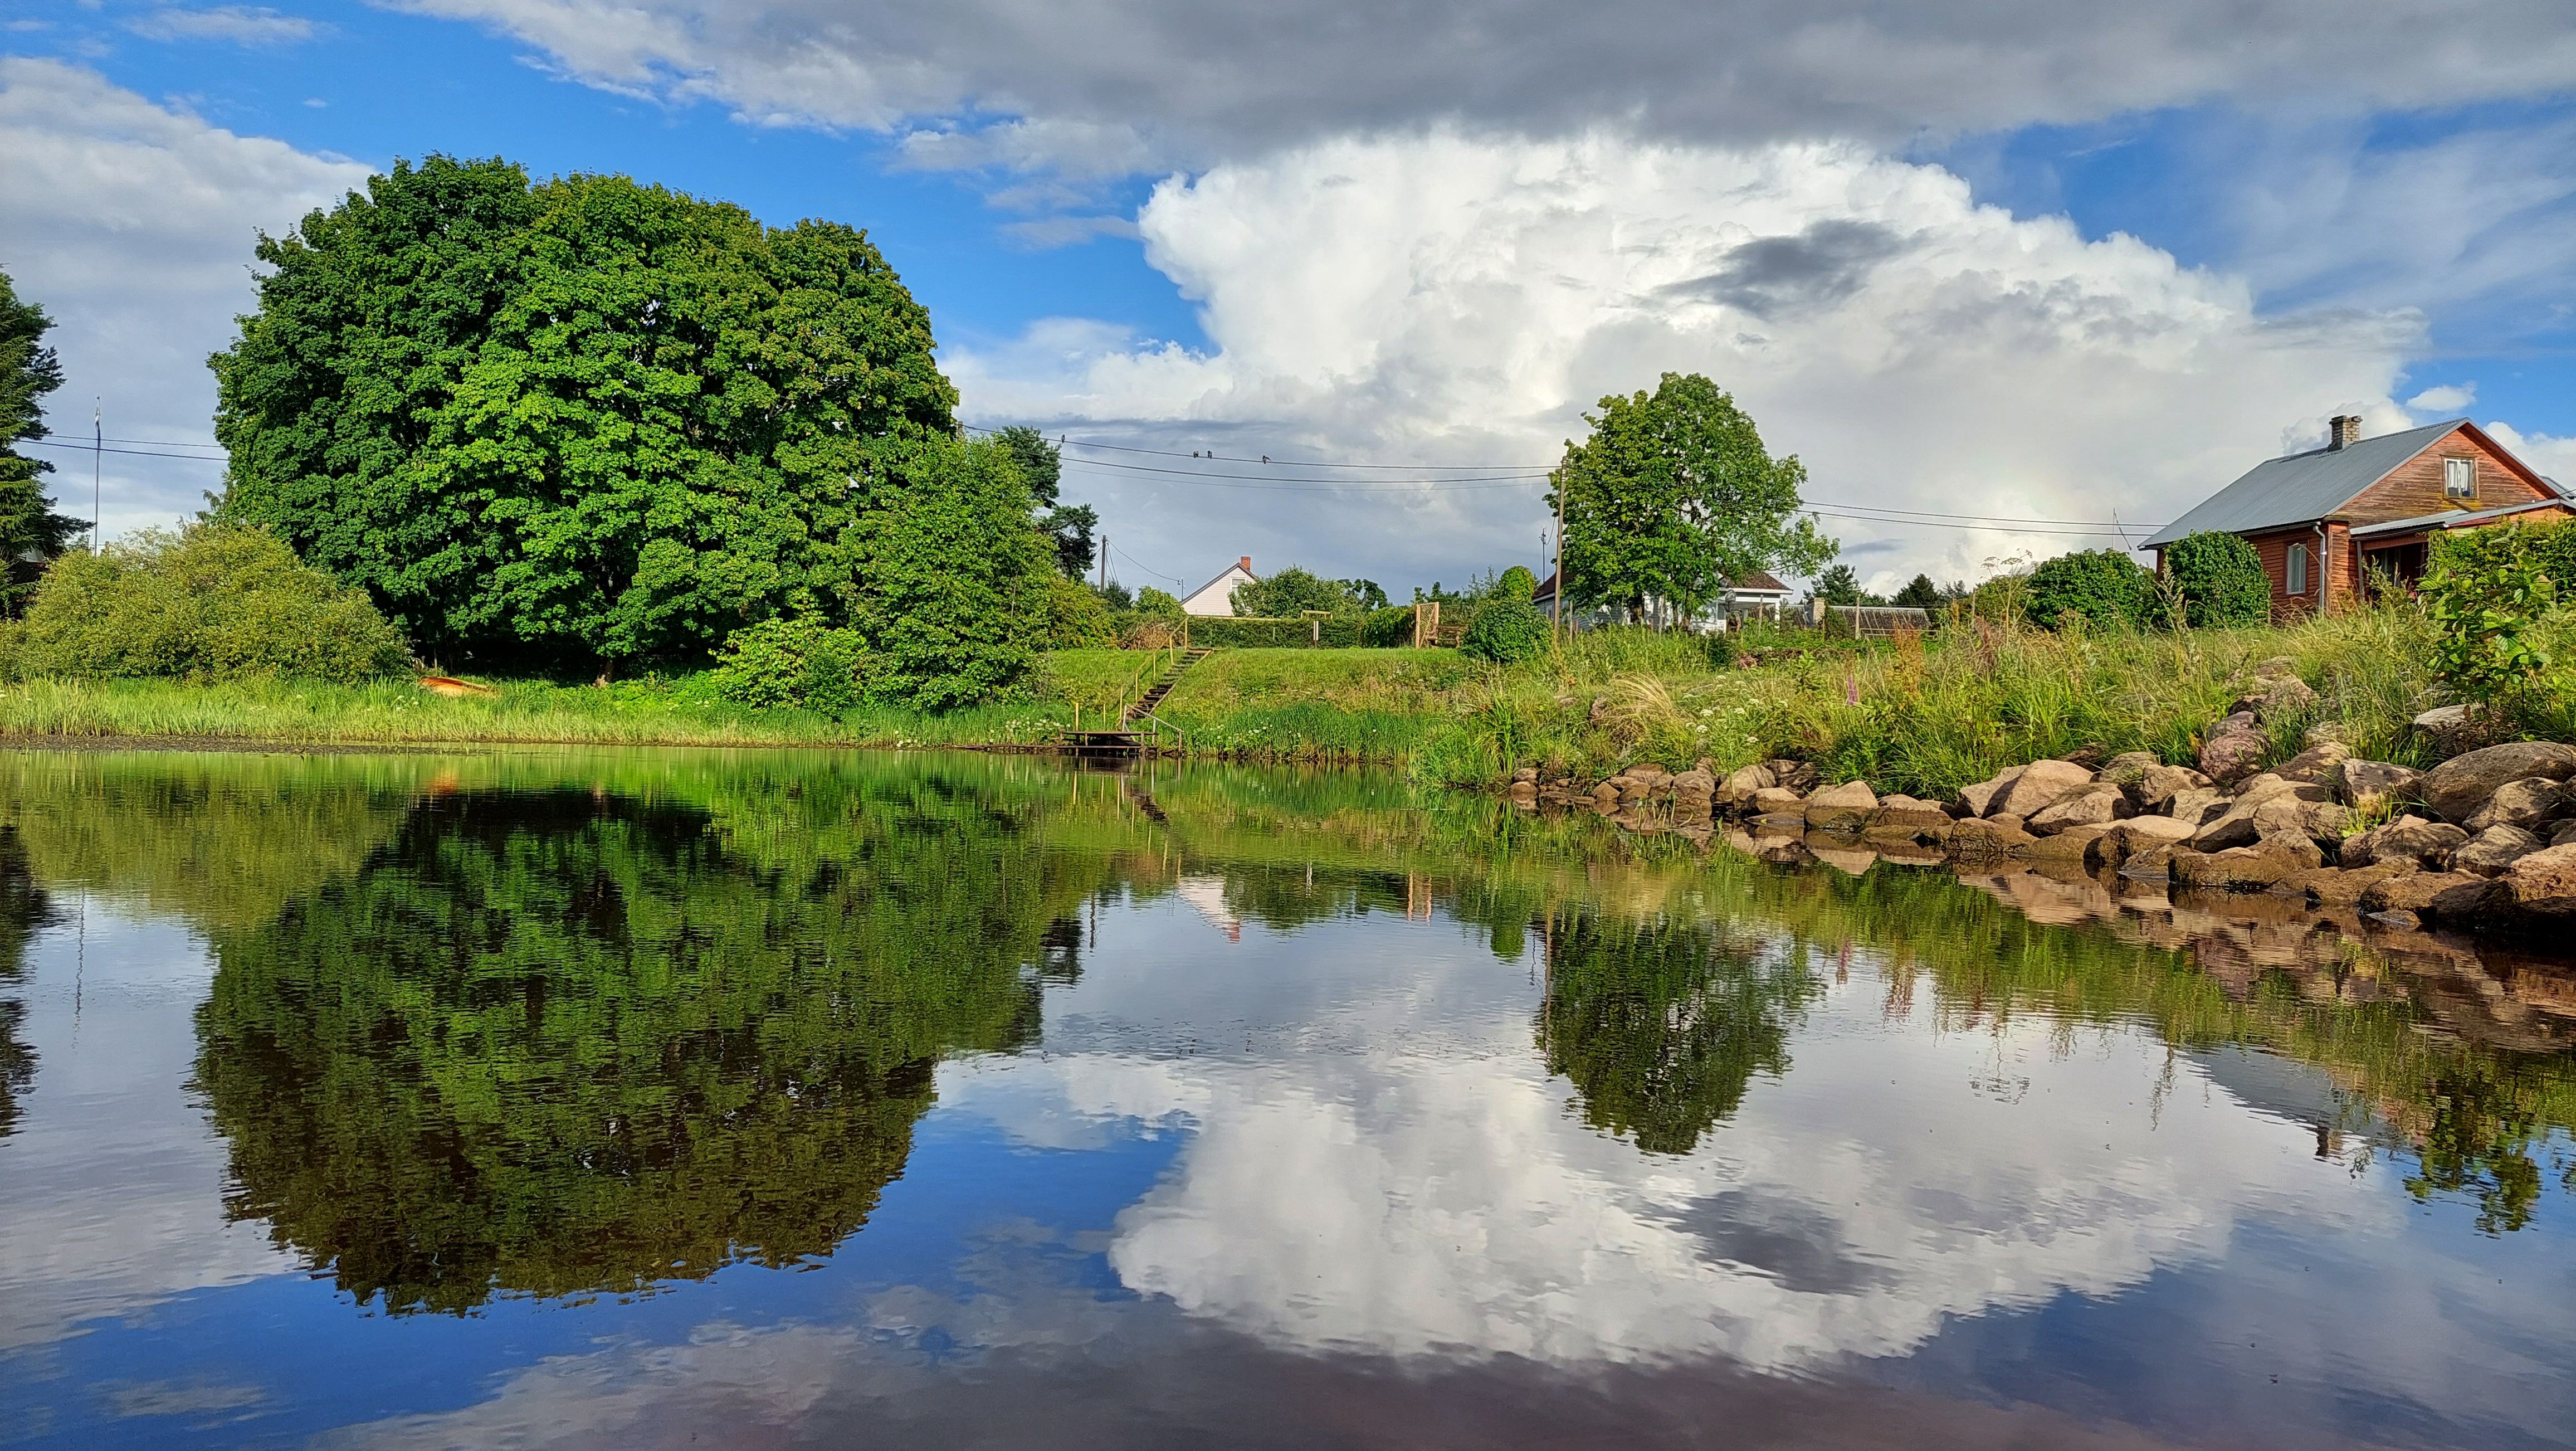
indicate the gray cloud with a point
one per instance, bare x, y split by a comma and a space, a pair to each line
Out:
1184, 82
1770, 275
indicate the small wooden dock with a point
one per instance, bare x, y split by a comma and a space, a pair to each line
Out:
1101, 743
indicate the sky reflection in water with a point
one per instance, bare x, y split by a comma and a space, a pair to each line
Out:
630, 1099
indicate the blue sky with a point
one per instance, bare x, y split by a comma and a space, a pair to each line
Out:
1371, 237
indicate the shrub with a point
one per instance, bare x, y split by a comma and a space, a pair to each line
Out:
2479, 561
2220, 579
1507, 629
1219, 631
1517, 583
1388, 628
2104, 586
212, 602
1155, 604
1077, 617
790, 660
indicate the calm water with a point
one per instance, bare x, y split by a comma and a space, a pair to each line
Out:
655, 1099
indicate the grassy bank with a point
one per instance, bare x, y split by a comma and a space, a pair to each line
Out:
1920, 716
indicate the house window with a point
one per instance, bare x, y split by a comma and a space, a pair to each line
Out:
2460, 478
2298, 569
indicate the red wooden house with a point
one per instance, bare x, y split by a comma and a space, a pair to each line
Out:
2325, 521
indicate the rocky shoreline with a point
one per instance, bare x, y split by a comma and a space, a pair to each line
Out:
2484, 842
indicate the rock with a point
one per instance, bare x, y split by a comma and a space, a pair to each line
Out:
2265, 785
1526, 775
2541, 887
2370, 784
2530, 803
1523, 791
2161, 784
2565, 835
2274, 667
2149, 863
1795, 775
1648, 772
2129, 768
1695, 782
2071, 845
2321, 822
1847, 807
2462, 784
2428, 844
1740, 784
1983, 839
1841, 855
2234, 755
2325, 733
1605, 797
2243, 869
2315, 765
2447, 720
2342, 887
2129, 839
2228, 830
2489, 852
1692, 807
2196, 805
2099, 804
1979, 799
1902, 818
2040, 784
2289, 697
1779, 801
2429, 895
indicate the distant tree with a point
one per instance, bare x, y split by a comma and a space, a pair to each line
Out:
2220, 579
1069, 527
31, 533
1116, 596
1516, 583
1920, 593
1296, 589
1156, 604
1674, 494
1836, 586
581, 424
1364, 594
2105, 586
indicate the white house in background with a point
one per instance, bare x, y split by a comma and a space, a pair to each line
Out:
1216, 597
1754, 594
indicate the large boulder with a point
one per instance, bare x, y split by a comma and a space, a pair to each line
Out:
2322, 822
2289, 696
2115, 848
2541, 887
1983, 839
1846, 807
2489, 852
2231, 755
2255, 868
2459, 786
2342, 887
1740, 784
1979, 799
2430, 895
1778, 801
2070, 845
2373, 785
2099, 804
1903, 818
2196, 805
2128, 770
2160, 784
2427, 844
2039, 785
2319, 764
2530, 803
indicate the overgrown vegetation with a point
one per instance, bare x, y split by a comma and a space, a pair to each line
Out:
2219, 580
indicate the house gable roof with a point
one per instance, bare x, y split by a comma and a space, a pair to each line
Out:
1248, 575
2304, 487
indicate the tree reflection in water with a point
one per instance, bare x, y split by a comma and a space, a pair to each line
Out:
24, 907
1661, 1023
562, 1041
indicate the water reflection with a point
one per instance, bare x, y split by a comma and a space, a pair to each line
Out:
1229, 1079
24, 907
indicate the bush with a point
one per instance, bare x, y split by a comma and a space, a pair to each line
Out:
2480, 561
1517, 583
212, 602
1389, 628
1235, 631
2105, 586
1507, 629
1077, 617
2221, 580
790, 660
1155, 604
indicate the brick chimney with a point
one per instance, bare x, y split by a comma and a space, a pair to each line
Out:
2342, 431
1246, 562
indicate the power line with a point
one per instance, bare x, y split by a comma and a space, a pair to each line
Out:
147, 442
193, 458
1140, 564
1263, 459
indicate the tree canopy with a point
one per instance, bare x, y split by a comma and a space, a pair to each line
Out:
1672, 496
590, 423
30, 531
1067, 526
1297, 589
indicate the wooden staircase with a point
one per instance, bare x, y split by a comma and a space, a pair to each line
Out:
1144, 704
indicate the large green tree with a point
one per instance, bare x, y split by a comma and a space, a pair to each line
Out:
1672, 496
1068, 527
578, 424
31, 533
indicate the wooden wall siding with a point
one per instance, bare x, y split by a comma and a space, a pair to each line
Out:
2275, 549
2416, 488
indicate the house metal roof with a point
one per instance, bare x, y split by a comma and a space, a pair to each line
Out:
2304, 487
2453, 518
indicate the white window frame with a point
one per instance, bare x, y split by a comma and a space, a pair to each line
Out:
2296, 568
2460, 478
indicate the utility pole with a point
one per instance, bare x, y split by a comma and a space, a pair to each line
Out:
1556, 606
97, 452
1104, 564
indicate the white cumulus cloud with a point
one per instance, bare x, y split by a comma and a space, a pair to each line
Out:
1450, 299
